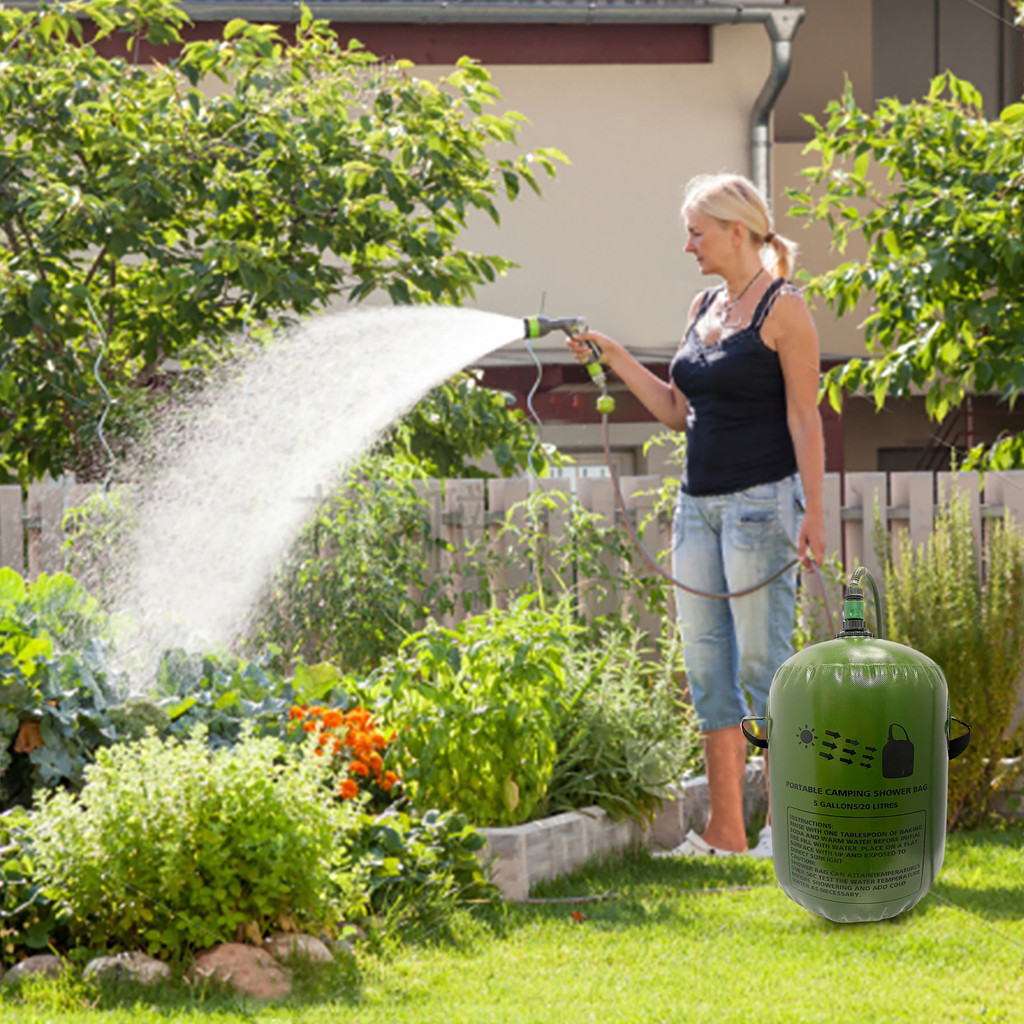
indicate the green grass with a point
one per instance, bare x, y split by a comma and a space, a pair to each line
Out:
661, 950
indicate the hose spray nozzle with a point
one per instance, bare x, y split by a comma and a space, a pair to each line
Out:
538, 326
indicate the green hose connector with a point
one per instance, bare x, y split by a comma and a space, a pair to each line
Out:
853, 606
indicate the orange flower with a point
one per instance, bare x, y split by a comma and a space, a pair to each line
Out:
358, 768
333, 719
389, 781
377, 739
309, 726
359, 718
295, 712
348, 789
376, 762
362, 747
337, 746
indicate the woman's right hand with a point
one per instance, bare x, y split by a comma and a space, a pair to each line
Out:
583, 347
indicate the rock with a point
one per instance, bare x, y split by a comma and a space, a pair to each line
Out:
248, 970
43, 964
285, 946
134, 967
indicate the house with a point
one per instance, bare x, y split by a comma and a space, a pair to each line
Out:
641, 95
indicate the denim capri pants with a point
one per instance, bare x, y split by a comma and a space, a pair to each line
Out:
723, 543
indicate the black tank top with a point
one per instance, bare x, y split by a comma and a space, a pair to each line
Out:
736, 433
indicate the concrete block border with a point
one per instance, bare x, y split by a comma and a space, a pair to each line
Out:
522, 855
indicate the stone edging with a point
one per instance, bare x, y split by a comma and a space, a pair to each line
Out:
524, 854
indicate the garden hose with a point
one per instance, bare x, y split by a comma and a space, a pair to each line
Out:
108, 398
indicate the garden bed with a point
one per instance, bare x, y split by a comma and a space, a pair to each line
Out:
521, 855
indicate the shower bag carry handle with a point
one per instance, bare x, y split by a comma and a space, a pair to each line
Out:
955, 747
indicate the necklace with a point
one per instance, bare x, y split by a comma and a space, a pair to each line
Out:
725, 313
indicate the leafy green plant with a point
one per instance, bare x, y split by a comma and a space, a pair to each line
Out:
173, 845
95, 535
459, 422
225, 695
416, 870
943, 247
356, 582
968, 617
587, 562
626, 738
476, 709
28, 918
57, 686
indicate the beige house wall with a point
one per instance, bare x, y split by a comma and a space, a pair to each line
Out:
833, 45
605, 241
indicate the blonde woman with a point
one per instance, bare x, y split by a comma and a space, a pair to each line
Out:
743, 386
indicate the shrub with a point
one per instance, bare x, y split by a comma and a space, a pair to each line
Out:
626, 738
971, 623
172, 846
28, 919
476, 709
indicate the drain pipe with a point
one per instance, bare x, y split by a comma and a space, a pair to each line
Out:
781, 25
781, 20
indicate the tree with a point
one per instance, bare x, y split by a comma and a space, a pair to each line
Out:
146, 226
945, 247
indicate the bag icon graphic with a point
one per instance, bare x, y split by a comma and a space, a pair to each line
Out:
897, 755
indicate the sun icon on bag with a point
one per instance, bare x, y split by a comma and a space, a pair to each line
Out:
807, 737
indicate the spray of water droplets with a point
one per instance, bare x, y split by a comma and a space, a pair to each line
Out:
238, 473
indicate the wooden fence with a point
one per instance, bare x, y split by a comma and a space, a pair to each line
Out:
464, 512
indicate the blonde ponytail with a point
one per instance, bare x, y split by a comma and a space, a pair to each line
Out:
780, 260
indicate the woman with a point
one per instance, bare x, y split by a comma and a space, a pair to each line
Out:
744, 387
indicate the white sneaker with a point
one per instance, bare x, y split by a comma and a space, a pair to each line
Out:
694, 846
763, 849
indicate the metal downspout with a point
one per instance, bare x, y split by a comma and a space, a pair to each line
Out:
781, 25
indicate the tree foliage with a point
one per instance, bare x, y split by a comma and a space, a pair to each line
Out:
461, 421
147, 220
945, 247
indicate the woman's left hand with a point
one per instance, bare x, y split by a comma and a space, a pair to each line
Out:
810, 542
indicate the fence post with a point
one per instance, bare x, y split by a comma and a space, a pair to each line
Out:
45, 537
12, 533
1007, 489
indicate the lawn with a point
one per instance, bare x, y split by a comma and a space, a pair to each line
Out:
662, 948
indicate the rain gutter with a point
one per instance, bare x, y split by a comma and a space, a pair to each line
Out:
781, 20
